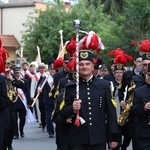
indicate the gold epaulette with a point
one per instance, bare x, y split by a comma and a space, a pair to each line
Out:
62, 104
57, 90
50, 93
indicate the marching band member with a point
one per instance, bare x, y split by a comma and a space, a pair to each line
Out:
34, 90
120, 61
22, 103
141, 108
44, 87
93, 105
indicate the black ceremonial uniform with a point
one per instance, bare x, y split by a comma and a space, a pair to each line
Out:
63, 128
128, 130
109, 77
139, 80
57, 77
20, 108
142, 96
12, 114
4, 113
126, 81
96, 108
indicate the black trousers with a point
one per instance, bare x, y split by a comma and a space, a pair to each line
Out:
50, 127
10, 133
42, 111
64, 147
88, 147
22, 118
144, 143
2, 140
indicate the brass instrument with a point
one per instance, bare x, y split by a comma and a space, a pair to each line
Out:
129, 103
125, 113
12, 93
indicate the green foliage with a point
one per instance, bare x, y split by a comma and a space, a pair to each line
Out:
44, 30
123, 22
137, 13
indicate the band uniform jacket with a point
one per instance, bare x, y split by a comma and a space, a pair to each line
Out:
142, 96
125, 83
96, 109
4, 103
109, 77
139, 80
26, 90
57, 77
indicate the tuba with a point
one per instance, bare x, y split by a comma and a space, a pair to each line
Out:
12, 93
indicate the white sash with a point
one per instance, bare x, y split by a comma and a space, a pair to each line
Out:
29, 114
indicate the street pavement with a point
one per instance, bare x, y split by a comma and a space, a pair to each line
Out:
36, 139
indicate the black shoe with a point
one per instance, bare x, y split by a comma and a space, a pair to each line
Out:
51, 136
16, 137
10, 148
22, 135
43, 128
40, 125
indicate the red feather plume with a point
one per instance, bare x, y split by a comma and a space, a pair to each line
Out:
71, 66
120, 57
58, 63
145, 46
71, 47
4, 54
91, 42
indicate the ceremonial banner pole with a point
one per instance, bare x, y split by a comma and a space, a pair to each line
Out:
18, 53
42, 86
39, 54
61, 38
77, 25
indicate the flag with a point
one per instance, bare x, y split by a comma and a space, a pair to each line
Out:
38, 57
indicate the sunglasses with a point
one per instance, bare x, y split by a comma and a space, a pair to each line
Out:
145, 65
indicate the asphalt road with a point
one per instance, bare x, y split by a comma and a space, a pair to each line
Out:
36, 139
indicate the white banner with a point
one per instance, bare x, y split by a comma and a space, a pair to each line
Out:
29, 114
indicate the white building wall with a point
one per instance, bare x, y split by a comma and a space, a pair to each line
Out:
12, 20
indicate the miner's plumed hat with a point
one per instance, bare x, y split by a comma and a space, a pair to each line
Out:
88, 44
145, 49
120, 58
86, 55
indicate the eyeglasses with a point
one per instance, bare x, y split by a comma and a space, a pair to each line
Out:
145, 65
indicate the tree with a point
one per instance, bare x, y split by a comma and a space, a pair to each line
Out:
137, 13
44, 30
113, 6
